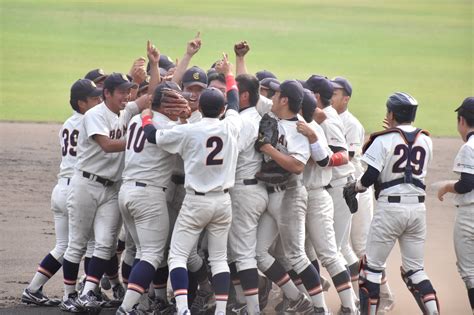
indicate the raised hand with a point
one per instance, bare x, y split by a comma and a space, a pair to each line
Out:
241, 48
153, 53
194, 45
224, 66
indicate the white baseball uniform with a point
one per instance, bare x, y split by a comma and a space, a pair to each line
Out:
92, 203
334, 130
464, 224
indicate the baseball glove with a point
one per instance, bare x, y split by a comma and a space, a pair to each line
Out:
350, 194
173, 102
267, 132
272, 173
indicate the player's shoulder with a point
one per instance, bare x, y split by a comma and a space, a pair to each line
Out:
351, 120
73, 121
96, 110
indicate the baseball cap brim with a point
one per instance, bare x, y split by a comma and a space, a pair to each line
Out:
127, 85
275, 86
336, 85
95, 93
101, 78
193, 83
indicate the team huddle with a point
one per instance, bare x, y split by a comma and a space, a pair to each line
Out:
225, 184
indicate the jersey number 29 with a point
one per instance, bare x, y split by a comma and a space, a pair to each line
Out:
416, 159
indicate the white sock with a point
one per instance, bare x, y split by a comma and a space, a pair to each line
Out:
347, 298
239, 293
318, 300
290, 290
431, 307
89, 286
385, 288
302, 289
131, 298
37, 282
181, 303
253, 306
69, 289
221, 307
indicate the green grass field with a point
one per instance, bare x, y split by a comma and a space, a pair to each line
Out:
423, 47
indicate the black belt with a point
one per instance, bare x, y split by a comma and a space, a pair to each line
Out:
197, 193
98, 179
177, 179
398, 199
252, 181
140, 184
272, 189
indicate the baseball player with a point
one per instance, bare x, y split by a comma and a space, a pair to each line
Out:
287, 205
397, 161
209, 150
97, 76
249, 196
84, 96
464, 197
92, 203
319, 215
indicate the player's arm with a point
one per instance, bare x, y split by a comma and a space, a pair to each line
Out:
192, 48
463, 186
241, 49
109, 145
153, 55
318, 152
339, 156
288, 162
225, 67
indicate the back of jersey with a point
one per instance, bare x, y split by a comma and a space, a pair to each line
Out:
68, 137
389, 154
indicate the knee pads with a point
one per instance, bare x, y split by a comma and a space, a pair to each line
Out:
420, 287
369, 289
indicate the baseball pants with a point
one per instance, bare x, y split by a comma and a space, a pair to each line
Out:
464, 243
361, 222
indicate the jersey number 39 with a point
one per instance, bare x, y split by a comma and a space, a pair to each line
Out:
70, 142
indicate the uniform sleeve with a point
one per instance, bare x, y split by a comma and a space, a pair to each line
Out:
464, 161
195, 117
234, 121
353, 139
334, 134
95, 125
264, 105
299, 148
375, 154
247, 135
171, 140
131, 109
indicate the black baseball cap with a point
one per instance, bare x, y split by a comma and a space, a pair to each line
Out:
195, 76
96, 75
157, 94
118, 81
342, 83
309, 105
144, 84
264, 74
211, 100
83, 88
291, 88
266, 82
467, 106
166, 62
319, 84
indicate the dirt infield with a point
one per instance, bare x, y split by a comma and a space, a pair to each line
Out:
29, 162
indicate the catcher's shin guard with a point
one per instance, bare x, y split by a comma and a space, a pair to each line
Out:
369, 289
422, 290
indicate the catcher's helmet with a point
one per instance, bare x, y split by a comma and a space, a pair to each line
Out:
403, 106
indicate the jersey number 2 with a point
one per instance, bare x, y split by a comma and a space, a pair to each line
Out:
217, 144
417, 159
139, 142
70, 142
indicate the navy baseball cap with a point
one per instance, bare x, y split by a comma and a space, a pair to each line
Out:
266, 82
342, 83
264, 74
166, 62
118, 81
144, 84
211, 100
291, 88
96, 75
195, 76
309, 105
319, 84
84, 88
467, 106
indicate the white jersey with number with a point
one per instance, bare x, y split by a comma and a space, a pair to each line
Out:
144, 161
100, 120
315, 176
249, 161
464, 163
179, 164
296, 144
334, 131
68, 137
209, 149
354, 134
389, 154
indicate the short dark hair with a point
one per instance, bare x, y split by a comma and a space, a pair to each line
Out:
325, 101
75, 104
215, 76
467, 115
293, 104
249, 83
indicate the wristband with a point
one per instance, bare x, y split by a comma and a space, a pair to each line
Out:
146, 120
317, 152
338, 159
230, 83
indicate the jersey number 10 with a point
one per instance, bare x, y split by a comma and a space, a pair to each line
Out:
139, 142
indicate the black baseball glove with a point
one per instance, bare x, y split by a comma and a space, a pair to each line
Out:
350, 194
267, 132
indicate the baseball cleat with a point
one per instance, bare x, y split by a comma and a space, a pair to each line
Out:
71, 305
320, 311
134, 311
347, 311
105, 283
280, 307
162, 307
80, 284
90, 302
239, 309
301, 305
38, 298
203, 301
118, 292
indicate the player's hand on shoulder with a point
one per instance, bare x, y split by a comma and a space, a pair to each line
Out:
241, 48
194, 45
319, 115
146, 112
144, 101
303, 128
